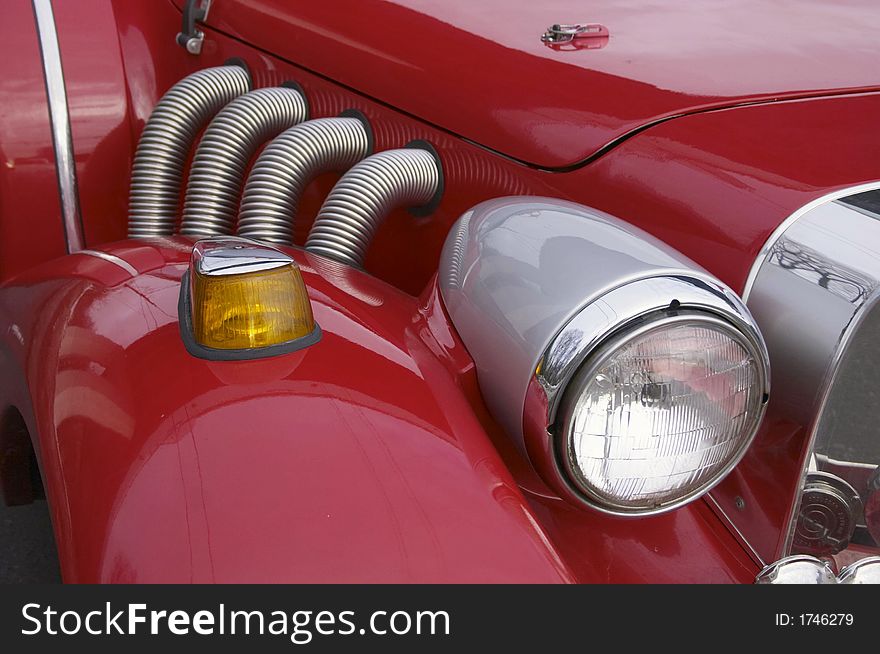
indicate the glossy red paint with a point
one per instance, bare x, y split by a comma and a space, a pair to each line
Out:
717, 208
28, 182
359, 459
480, 70
99, 109
716, 185
713, 185
653, 189
817, 145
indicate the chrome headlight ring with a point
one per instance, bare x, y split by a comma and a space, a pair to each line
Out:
593, 336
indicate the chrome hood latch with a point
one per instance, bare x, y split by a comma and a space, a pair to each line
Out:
587, 35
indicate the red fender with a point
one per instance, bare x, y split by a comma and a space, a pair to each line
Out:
355, 460
368, 457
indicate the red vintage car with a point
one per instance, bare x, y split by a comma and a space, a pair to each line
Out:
421, 291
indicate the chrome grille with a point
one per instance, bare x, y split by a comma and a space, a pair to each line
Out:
815, 293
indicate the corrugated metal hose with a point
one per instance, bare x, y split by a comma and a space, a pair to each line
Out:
165, 143
221, 160
409, 177
288, 164
360, 201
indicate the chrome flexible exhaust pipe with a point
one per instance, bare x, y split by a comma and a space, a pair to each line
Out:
410, 177
164, 146
217, 173
289, 163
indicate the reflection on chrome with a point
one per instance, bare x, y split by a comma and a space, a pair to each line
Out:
574, 342
865, 571
809, 264
827, 515
798, 569
815, 293
804, 569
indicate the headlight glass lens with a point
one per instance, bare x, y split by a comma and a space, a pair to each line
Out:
661, 414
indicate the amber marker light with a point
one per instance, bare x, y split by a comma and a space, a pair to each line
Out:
243, 300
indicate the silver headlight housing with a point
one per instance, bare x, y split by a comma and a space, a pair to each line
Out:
543, 293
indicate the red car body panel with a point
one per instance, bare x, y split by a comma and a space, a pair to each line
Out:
480, 70
160, 466
28, 182
745, 188
359, 460
99, 99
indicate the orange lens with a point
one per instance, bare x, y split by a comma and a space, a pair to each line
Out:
250, 310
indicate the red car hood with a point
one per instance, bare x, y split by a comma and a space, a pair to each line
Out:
480, 70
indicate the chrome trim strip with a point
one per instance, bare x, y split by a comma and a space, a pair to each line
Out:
111, 258
779, 231
59, 117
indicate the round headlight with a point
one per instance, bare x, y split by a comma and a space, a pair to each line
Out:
660, 413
